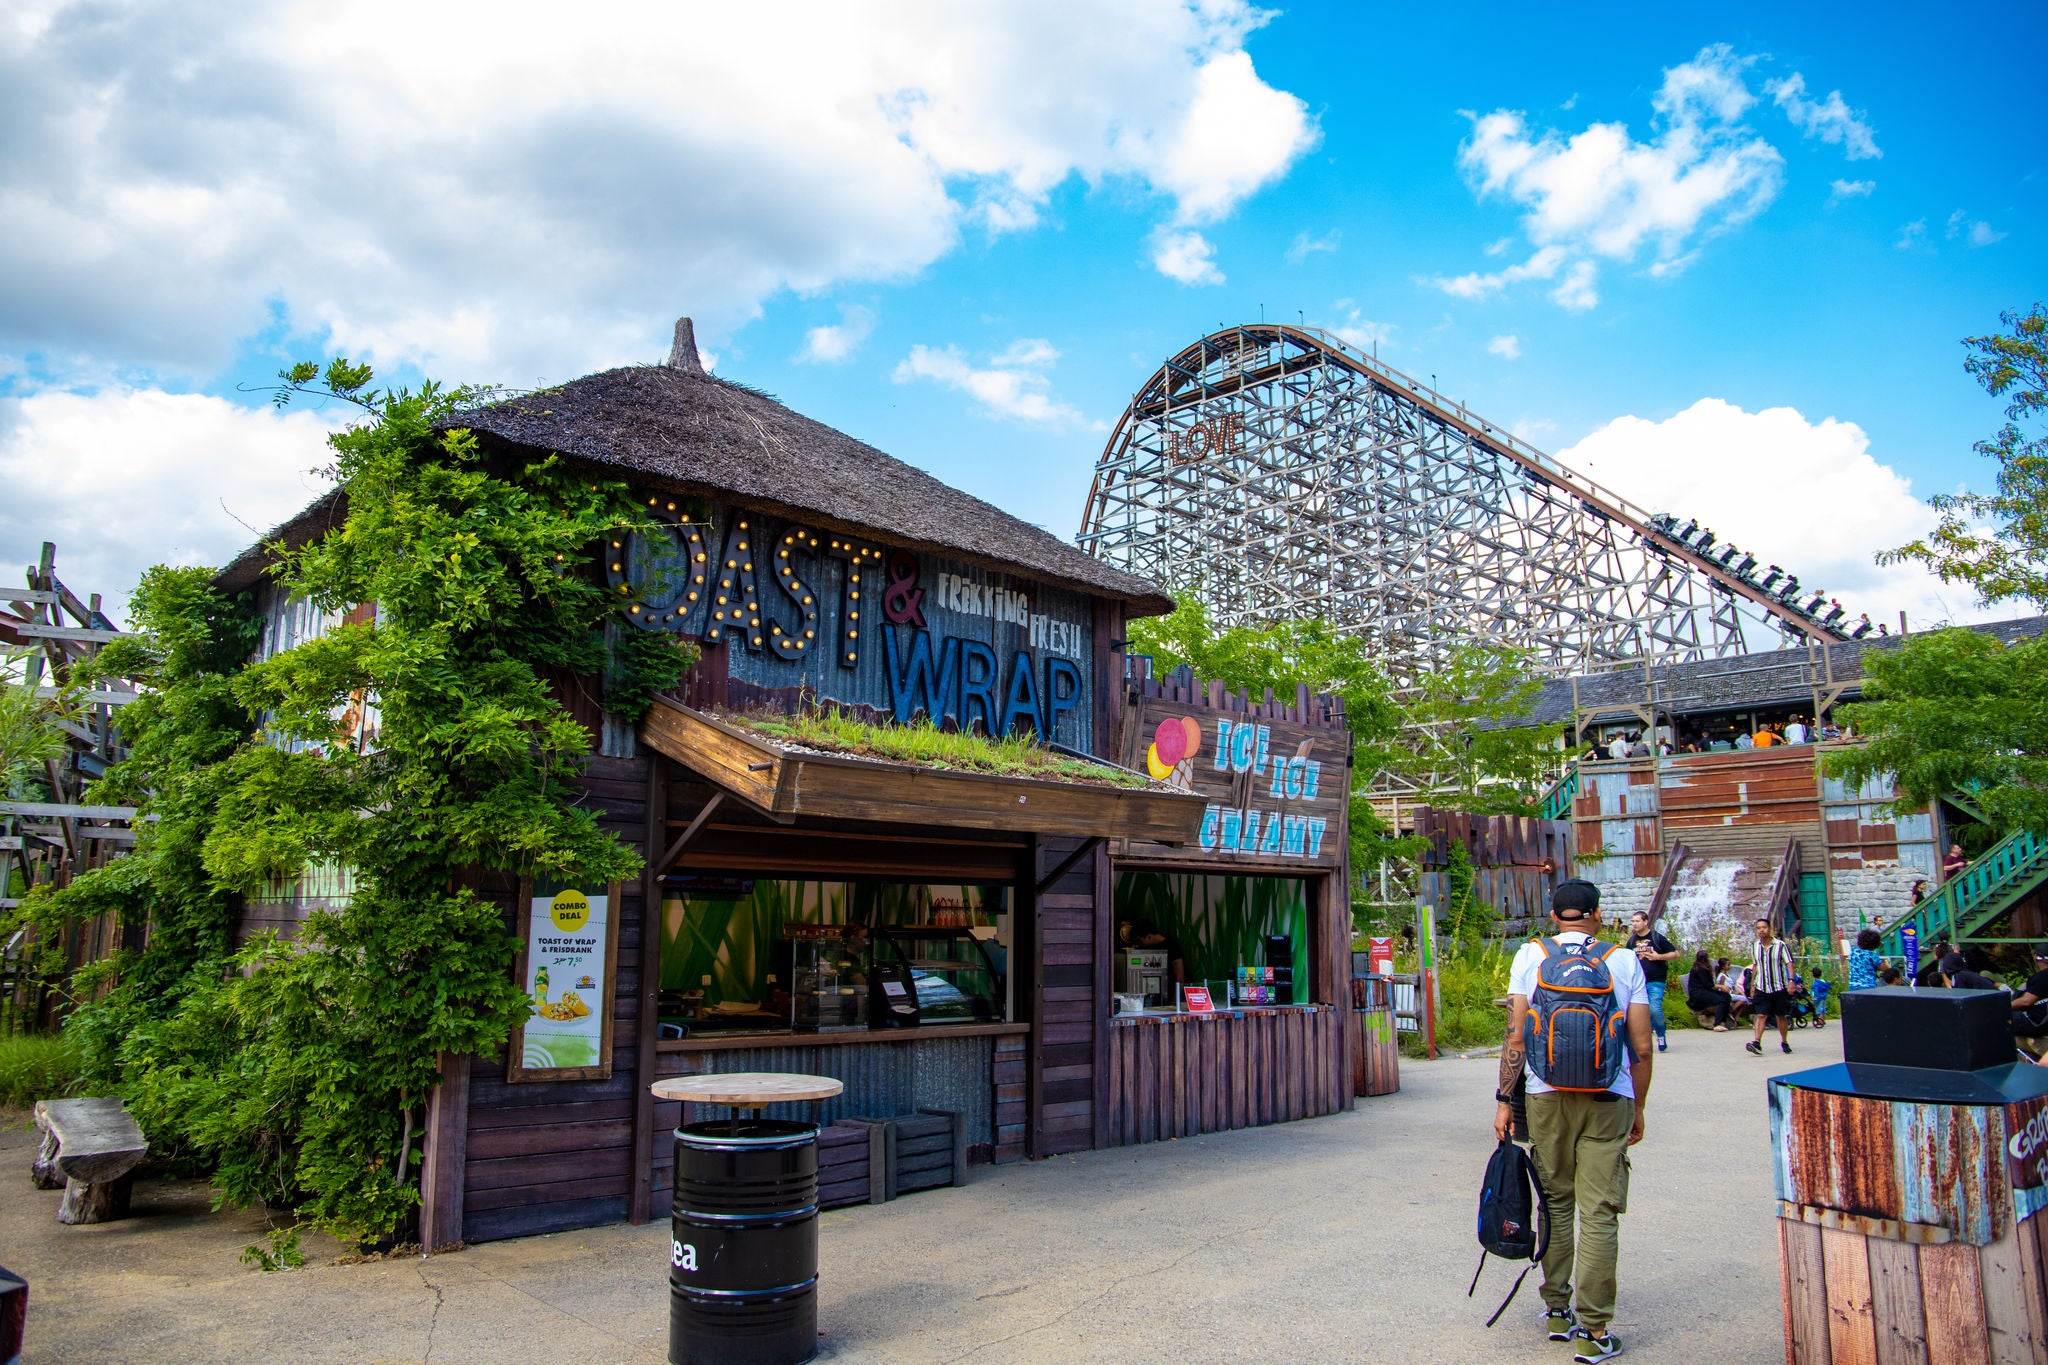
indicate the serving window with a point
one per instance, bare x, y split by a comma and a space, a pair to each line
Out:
1242, 939
769, 955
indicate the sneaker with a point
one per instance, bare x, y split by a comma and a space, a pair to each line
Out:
1563, 1326
1753, 1047
1662, 1045
1596, 1349
1785, 1048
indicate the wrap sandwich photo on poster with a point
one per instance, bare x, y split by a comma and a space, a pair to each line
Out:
567, 978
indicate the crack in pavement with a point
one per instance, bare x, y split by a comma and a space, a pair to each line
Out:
435, 1321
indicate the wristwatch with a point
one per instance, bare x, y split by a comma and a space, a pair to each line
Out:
1503, 1099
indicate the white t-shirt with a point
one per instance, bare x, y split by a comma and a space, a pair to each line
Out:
1629, 989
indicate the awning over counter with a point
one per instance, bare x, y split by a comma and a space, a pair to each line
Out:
786, 782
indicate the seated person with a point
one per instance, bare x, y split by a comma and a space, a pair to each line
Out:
2030, 1006
1891, 976
1930, 969
1864, 961
1736, 984
1703, 995
1957, 976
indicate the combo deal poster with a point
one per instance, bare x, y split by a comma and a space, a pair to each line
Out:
567, 969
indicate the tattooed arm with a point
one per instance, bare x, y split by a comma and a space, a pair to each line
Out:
1511, 1058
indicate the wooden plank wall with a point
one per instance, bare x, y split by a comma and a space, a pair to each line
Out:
1182, 1075
1069, 998
1516, 861
546, 1157
1852, 1299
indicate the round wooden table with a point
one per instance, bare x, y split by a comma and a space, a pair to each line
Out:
747, 1090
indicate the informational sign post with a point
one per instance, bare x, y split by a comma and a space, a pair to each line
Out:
568, 958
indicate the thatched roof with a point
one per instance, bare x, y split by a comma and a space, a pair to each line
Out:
245, 570
675, 426
695, 433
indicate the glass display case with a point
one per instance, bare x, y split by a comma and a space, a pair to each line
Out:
826, 966
932, 974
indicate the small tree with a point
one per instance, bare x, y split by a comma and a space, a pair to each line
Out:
1955, 711
2010, 560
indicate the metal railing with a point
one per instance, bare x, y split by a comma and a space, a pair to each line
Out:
1969, 900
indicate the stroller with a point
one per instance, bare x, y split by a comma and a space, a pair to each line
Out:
1810, 1005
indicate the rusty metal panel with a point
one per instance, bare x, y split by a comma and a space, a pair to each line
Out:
1951, 1164
1927, 1165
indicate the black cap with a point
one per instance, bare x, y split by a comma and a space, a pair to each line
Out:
1574, 899
2041, 952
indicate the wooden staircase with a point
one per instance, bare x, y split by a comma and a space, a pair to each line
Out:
1713, 890
1970, 902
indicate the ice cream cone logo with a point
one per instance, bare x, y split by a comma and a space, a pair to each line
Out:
1171, 755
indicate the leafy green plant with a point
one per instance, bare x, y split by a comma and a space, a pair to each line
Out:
279, 1250
297, 1073
35, 1066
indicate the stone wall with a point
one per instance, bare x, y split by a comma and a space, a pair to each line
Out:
1862, 894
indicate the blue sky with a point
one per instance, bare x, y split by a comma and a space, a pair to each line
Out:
1735, 290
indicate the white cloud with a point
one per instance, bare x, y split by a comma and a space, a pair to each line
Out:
1839, 190
836, 341
1358, 331
125, 478
1186, 256
1600, 195
1806, 495
1912, 234
1978, 233
1831, 120
1012, 384
1305, 246
1507, 347
526, 198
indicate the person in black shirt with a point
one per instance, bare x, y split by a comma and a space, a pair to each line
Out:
2030, 1006
1956, 975
1703, 995
1654, 951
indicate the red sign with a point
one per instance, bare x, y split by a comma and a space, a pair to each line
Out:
1197, 1000
1381, 956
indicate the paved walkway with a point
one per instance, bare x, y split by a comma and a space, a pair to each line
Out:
1340, 1239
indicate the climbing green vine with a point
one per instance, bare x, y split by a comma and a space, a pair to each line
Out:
297, 1072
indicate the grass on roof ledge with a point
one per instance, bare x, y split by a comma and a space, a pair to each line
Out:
926, 745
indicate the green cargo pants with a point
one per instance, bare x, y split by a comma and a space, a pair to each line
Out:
1580, 1145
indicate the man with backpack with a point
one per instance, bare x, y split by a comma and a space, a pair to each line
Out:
1579, 1035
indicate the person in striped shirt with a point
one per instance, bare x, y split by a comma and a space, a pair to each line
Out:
1771, 995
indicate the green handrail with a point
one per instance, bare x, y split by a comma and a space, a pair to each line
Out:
1557, 802
1967, 900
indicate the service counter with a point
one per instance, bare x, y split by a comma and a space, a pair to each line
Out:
1173, 1075
973, 1070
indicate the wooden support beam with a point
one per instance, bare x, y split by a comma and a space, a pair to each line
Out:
60, 810
1066, 865
31, 630
682, 841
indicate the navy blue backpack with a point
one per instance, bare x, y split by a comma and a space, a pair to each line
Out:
1514, 1217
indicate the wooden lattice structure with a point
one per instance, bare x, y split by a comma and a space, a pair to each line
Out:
52, 835
1278, 474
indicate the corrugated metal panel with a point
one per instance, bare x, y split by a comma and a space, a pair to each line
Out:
1932, 1164
927, 1071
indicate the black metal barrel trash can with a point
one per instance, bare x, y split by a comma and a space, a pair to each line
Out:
743, 1256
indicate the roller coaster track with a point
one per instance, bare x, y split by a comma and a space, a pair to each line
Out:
1276, 472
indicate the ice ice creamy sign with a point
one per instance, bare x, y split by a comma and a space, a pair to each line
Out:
567, 972
1276, 789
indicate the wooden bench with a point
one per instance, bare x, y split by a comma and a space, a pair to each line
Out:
90, 1148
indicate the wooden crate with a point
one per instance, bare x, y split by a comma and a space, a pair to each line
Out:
920, 1151
853, 1166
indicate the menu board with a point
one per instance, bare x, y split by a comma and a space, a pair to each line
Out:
568, 956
